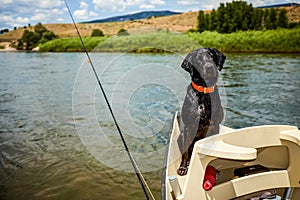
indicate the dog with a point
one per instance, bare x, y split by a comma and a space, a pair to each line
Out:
201, 112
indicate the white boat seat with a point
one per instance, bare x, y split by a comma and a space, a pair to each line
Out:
221, 149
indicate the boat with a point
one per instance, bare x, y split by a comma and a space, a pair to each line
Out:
246, 163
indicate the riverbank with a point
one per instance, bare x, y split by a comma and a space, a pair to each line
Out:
266, 41
5, 46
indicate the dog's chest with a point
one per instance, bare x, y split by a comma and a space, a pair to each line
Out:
200, 104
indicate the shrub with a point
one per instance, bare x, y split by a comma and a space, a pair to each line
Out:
122, 31
160, 41
279, 40
97, 32
70, 44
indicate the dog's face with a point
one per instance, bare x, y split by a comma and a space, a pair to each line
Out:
203, 65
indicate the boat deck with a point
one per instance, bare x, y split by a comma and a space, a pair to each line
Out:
275, 147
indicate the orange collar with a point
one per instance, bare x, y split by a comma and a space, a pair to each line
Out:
202, 89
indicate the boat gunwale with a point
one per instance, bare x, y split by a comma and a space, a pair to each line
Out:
166, 158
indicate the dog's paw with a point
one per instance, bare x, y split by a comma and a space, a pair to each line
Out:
182, 171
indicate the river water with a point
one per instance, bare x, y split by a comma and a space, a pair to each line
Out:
58, 140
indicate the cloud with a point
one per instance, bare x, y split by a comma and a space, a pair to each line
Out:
83, 12
135, 2
93, 14
22, 12
49, 4
39, 16
7, 1
80, 14
83, 5
147, 6
112, 5
22, 20
5, 18
122, 5
187, 2
14, 22
27, 6
157, 2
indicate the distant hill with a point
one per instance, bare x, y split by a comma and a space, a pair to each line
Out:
135, 16
280, 5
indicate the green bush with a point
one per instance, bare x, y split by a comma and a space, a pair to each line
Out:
160, 41
279, 40
97, 32
70, 44
122, 31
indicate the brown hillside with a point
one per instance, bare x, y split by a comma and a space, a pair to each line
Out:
178, 23
294, 14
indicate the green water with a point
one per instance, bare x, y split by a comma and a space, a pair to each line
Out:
58, 141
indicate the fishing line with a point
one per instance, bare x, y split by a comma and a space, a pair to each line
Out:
138, 173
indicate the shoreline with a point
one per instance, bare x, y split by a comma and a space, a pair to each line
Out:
7, 47
148, 52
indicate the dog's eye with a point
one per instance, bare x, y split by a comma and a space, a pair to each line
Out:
211, 54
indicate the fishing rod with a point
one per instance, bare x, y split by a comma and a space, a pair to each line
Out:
138, 173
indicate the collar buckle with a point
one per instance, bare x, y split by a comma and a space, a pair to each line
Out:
205, 90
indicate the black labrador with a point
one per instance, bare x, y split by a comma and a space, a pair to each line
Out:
202, 111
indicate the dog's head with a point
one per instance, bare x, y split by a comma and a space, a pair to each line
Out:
203, 65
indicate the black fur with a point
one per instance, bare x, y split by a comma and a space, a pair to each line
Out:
201, 113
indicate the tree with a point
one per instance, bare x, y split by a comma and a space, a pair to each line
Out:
40, 29
238, 15
273, 18
30, 39
4, 31
268, 20
47, 36
201, 21
213, 20
221, 16
257, 19
97, 32
207, 22
283, 20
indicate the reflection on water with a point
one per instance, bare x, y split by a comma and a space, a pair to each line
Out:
42, 155
262, 89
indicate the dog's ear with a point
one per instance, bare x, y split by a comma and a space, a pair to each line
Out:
187, 65
218, 57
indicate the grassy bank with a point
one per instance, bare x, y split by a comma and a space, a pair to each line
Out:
70, 44
280, 40
154, 42
160, 41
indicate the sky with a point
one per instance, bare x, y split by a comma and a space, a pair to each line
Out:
19, 13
